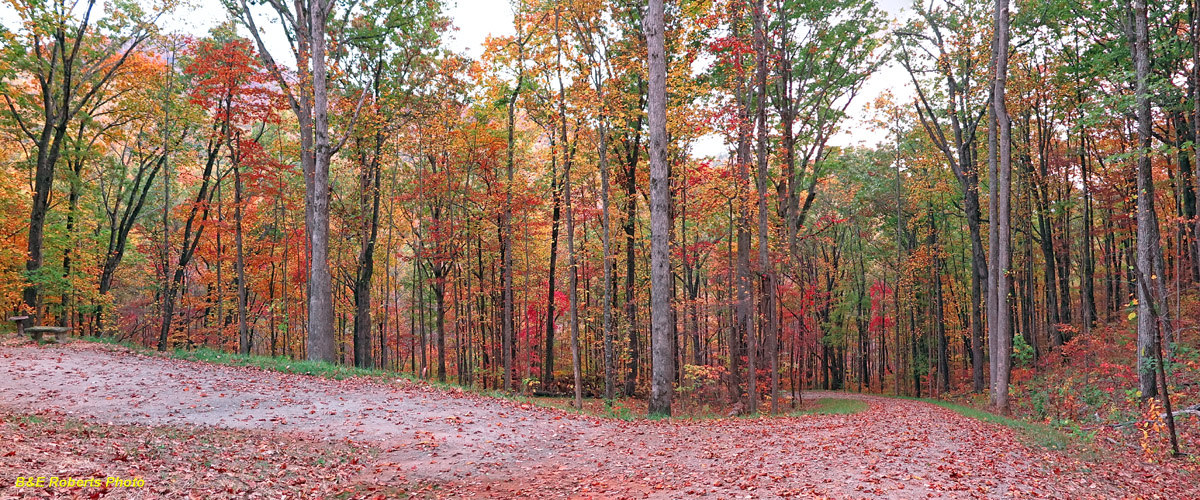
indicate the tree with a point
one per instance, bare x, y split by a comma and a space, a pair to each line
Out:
393, 40
506, 230
766, 268
305, 24
662, 371
140, 154
949, 43
227, 83
593, 36
62, 61
999, 239
1149, 250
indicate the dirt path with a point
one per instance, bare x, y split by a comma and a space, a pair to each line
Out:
475, 446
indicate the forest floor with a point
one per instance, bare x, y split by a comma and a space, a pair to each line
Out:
213, 431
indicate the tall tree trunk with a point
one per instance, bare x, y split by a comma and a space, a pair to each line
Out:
572, 257
49, 144
1149, 251
975, 357
788, 202
599, 62
766, 269
219, 285
999, 340
369, 194
943, 354
76, 165
166, 301
610, 378
506, 327
309, 100
689, 273
573, 286
197, 214
1187, 194
634, 349
1088, 265
245, 342
321, 338
660, 225
979, 281
1038, 182
1194, 15
745, 307
555, 214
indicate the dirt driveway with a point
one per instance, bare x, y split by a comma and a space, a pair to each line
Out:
475, 446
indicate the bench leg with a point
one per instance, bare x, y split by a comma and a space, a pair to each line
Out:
37, 336
61, 337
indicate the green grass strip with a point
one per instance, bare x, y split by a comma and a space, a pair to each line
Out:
279, 364
1036, 434
835, 406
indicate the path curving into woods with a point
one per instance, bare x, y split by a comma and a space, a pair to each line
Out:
475, 446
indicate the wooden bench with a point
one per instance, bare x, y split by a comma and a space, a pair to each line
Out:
60, 333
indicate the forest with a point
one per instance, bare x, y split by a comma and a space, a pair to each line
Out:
965, 200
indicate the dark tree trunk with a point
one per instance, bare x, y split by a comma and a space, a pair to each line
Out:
745, 306
245, 341
634, 349
506, 327
555, 214
196, 215
369, 194
943, 354
1087, 284
1038, 182
321, 335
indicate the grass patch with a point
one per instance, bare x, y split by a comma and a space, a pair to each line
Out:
110, 341
1036, 434
833, 406
113, 341
627, 409
635, 409
29, 420
279, 364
